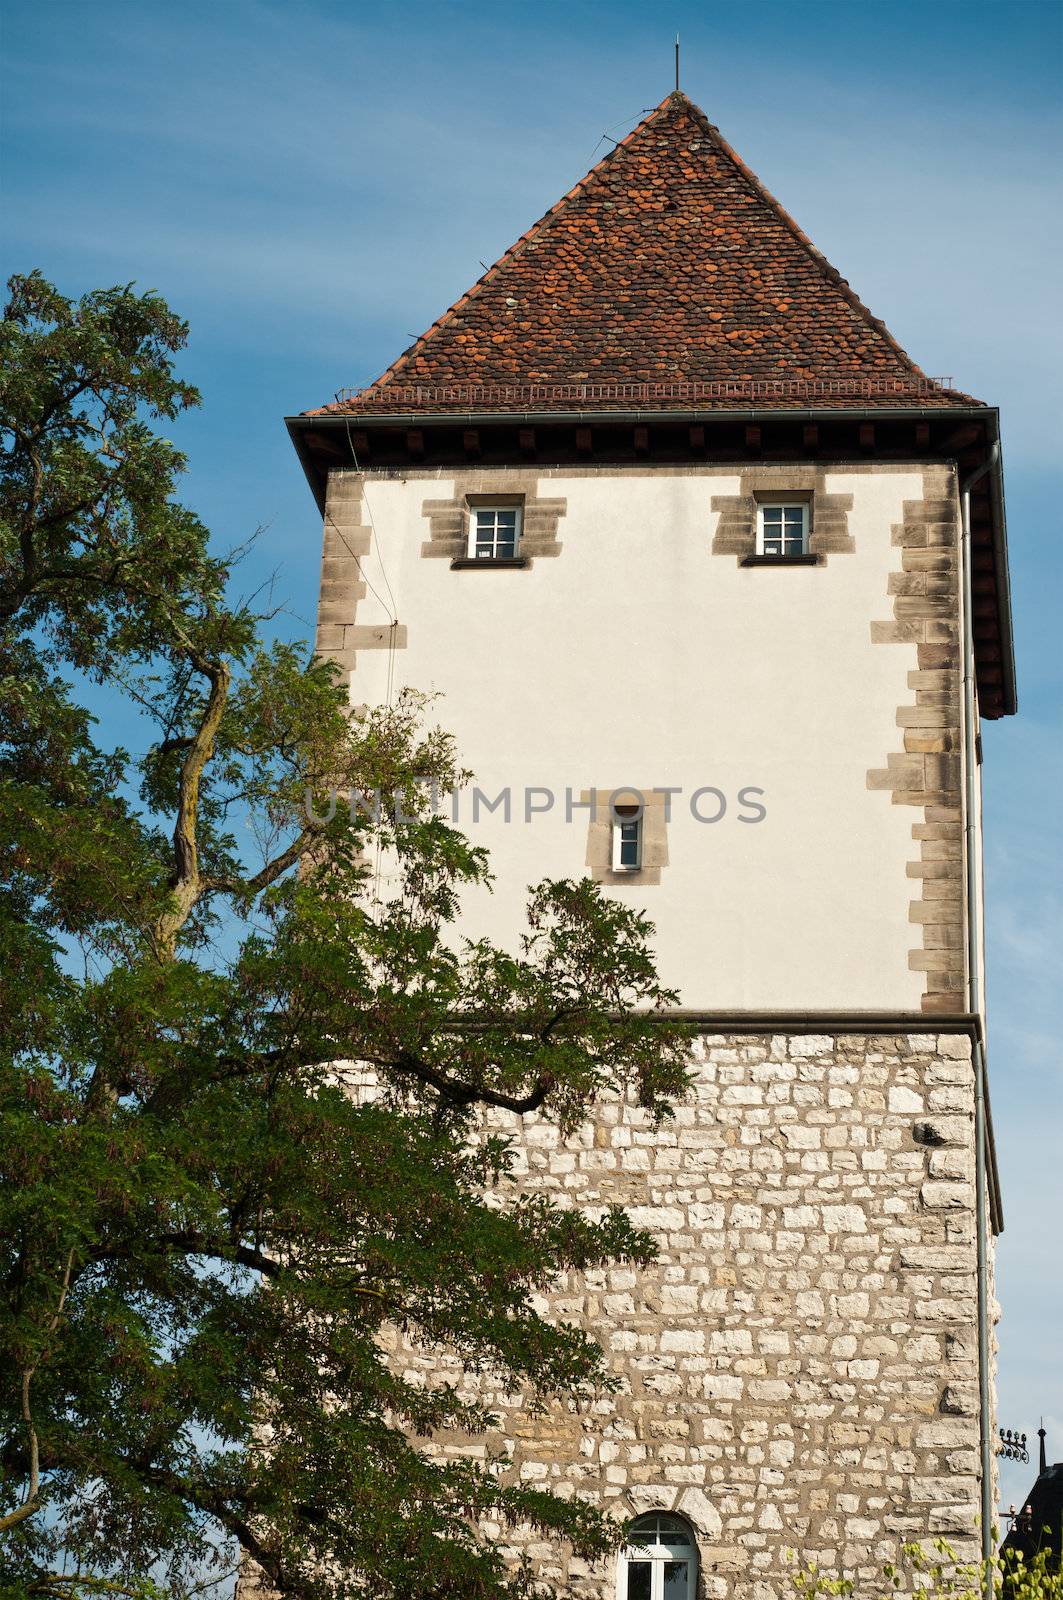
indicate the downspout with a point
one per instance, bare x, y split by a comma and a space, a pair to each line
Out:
974, 1004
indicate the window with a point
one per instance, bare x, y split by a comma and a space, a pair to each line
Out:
494, 532
627, 839
782, 530
661, 1561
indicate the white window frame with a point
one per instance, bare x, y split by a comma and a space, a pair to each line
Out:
491, 509
782, 506
658, 1553
620, 823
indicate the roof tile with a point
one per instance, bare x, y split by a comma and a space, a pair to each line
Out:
669, 267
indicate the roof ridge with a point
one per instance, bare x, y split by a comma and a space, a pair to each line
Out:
762, 192
515, 247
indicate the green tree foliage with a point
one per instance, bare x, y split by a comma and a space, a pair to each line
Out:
933, 1572
206, 1238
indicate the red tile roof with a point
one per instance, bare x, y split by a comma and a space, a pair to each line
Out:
667, 277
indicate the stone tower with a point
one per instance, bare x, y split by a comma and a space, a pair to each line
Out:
713, 580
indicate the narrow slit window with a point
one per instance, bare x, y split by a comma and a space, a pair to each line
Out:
627, 839
494, 532
782, 530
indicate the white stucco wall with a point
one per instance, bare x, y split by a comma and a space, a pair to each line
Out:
637, 656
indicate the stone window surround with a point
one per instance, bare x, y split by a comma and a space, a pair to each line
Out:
599, 857
449, 519
828, 514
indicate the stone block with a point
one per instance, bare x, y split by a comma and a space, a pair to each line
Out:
942, 1131
844, 1219
722, 1386
803, 1045
946, 1196
732, 1341
690, 1341
696, 1506
931, 1258
957, 1164
960, 1399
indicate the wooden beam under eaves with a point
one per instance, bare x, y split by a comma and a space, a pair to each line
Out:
322, 445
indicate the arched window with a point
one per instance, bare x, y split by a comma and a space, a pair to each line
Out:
660, 1561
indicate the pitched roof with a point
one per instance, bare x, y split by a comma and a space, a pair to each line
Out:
1039, 1525
667, 276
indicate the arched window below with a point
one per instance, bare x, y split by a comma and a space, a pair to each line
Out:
660, 1561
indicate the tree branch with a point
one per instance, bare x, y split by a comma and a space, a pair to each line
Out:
453, 1090
79, 507
272, 870
63, 1586
187, 885
197, 1244
467, 1094
213, 1503
31, 1502
239, 1254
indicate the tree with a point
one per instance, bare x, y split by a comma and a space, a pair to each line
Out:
932, 1571
206, 1234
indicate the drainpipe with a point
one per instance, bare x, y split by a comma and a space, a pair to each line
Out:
974, 1003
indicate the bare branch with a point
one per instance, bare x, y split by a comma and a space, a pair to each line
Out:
273, 869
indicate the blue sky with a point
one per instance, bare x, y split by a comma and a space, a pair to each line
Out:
310, 182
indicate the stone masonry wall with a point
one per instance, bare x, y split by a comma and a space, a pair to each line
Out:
799, 1368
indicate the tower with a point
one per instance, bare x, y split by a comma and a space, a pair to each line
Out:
713, 581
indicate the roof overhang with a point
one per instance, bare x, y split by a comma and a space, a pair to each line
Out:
969, 436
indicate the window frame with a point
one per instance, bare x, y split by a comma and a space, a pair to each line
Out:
485, 507
658, 1554
783, 504
631, 817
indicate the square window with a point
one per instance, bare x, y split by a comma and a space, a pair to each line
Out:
782, 529
494, 532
